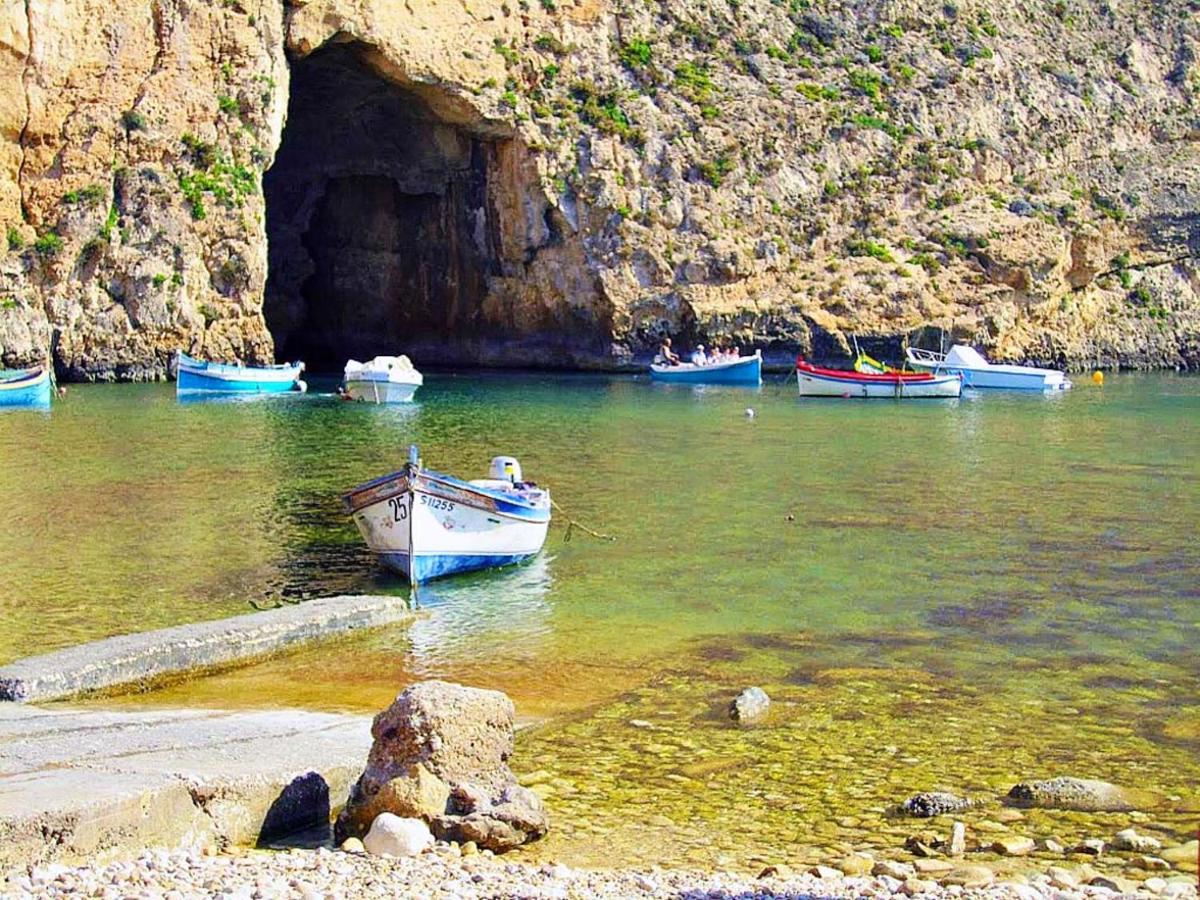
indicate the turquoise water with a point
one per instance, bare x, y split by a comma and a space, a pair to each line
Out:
999, 562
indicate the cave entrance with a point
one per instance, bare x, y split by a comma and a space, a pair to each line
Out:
380, 239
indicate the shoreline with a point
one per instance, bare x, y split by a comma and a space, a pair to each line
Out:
446, 871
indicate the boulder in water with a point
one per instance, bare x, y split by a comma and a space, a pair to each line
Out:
750, 705
927, 804
1084, 794
441, 755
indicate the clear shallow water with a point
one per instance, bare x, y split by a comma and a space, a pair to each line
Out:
1018, 574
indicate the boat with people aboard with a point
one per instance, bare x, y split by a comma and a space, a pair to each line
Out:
26, 387
384, 379
235, 378
746, 370
977, 372
425, 524
816, 381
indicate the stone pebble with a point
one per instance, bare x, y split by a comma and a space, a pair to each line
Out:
302, 874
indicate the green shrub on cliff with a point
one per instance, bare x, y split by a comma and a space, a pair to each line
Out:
635, 53
693, 81
15, 241
866, 83
49, 244
714, 172
868, 247
110, 222
132, 120
602, 109
91, 195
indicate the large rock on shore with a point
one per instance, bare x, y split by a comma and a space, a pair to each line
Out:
440, 754
1083, 794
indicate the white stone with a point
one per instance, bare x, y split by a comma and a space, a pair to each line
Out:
958, 839
391, 835
1138, 843
645, 883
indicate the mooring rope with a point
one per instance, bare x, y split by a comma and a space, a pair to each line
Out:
572, 524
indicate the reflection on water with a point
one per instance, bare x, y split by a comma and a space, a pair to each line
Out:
1007, 559
483, 614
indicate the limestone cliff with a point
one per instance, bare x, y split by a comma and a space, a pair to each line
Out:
561, 182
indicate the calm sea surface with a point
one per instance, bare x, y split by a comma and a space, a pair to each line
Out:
936, 594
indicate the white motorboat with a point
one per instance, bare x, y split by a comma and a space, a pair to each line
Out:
977, 372
385, 379
424, 524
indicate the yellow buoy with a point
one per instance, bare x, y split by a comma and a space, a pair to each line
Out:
1097, 377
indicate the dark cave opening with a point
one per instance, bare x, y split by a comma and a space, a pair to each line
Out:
380, 236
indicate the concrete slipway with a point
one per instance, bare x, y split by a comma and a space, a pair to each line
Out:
81, 784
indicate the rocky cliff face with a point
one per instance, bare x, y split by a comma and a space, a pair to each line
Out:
562, 182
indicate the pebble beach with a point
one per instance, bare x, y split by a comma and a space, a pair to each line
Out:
443, 872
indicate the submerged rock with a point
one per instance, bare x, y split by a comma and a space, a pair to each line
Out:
934, 803
970, 876
1084, 794
1013, 845
440, 756
1134, 842
750, 705
855, 864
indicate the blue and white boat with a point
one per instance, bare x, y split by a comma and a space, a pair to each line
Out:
25, 387
226, 378
424, 524
977, 372
744, 370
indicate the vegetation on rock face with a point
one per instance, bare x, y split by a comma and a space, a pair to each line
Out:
48, 244
227, 183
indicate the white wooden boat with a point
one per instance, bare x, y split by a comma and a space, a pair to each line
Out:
977, 372
815, 381
425, 524
743, 370
384, 379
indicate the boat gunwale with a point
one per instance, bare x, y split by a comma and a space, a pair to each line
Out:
236, 371
849, 377
23, 379
354, 500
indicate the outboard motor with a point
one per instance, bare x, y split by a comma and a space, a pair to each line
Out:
505, 468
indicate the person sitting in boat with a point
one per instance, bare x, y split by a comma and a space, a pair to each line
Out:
699, 357
666, 354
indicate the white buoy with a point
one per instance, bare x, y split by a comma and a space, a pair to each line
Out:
749, 413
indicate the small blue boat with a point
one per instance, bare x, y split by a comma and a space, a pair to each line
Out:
198, 375
25, 387
745, 370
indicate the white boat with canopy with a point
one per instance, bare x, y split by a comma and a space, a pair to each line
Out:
977, 372
385, 379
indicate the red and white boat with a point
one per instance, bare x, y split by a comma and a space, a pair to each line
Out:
818, 382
